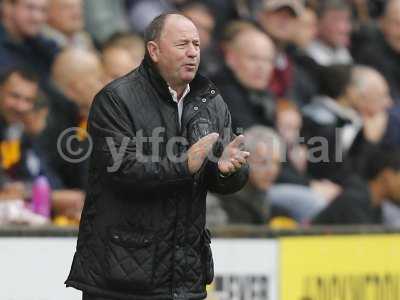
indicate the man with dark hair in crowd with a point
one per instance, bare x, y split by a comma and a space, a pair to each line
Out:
380, 47
142, 233
362, 203
23, 119
248, 70
20, 41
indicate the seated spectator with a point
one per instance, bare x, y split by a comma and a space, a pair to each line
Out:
122, 53
381, 48
342, 126
134, 44
278, 19
250, 205
77, 75
334, 29
261, 199
203, 18
248, 69
306, 29
288, 125
21, 43
362, 202
65, 24
23, 118
117, 61
104, 18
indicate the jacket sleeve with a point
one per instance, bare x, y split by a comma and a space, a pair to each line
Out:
115, 153
215, 181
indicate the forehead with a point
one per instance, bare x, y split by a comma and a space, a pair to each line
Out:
17, 81
259, 41
178, 27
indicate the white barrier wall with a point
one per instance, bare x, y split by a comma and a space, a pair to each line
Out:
36, 268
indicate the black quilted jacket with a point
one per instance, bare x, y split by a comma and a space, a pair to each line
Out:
142, 233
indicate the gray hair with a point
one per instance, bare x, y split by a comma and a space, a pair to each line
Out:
258, 134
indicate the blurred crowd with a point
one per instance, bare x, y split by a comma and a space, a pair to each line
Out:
313, 85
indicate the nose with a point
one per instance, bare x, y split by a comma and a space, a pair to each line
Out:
192, 51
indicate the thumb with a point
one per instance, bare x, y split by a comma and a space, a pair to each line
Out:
237, 142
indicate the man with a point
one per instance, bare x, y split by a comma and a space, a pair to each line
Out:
381, 47
362, 203
247, 73
20, 41
250, 206
77, 75
142, 233
278, 18
334, 30
351, 118
65, 24
23, 118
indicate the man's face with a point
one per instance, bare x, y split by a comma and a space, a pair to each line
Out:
177, 54
264, 166
29, 16
335, 28
253, 65
18, 96
66, 16
278, 24
288, 123
390, 26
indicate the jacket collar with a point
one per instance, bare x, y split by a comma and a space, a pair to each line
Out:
200, 85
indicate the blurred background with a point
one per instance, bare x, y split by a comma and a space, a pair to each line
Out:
315, 87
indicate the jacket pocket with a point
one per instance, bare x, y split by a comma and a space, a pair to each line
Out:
208, 259
129, 260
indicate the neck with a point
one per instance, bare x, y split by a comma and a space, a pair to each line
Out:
11, 30
377, 192
178, 89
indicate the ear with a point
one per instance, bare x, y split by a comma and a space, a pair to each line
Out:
154, 51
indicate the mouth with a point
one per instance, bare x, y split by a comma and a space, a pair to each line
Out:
190, 65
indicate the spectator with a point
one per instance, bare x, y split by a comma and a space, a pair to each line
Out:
203, 18
278, 19
249, 205
65, 24
306, 29
122, 53
104, 18
117, 61
77, 75
288, 125
21, 43
351, 118
381, 48
23, 118
334, 29
362, 203
247, 73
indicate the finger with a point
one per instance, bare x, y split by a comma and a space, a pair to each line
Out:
236, 163
237, 142
244, 154
241, 160
210, 138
